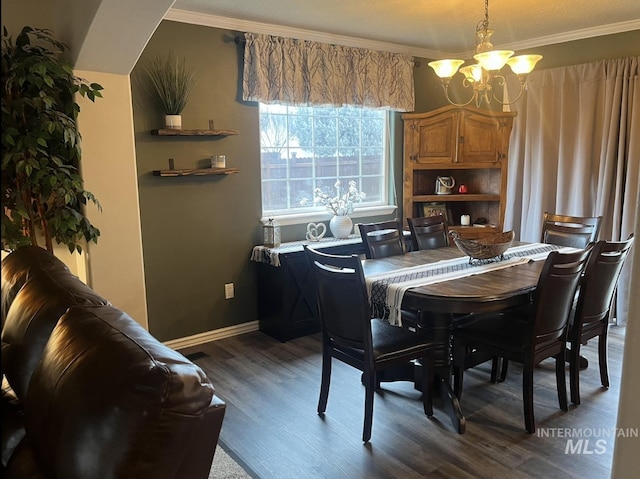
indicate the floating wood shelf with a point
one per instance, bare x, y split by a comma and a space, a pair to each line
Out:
173, 132
196, 172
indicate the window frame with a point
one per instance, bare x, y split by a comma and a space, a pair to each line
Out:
319, 213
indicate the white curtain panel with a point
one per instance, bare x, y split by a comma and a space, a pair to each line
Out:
575, 150
300, 72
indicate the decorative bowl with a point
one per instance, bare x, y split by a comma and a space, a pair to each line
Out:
487, 247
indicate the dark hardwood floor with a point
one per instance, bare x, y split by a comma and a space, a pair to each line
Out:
271, 391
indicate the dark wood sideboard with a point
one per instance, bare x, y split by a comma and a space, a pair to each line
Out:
287, 306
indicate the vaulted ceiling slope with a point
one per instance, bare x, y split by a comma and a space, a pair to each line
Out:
421, 27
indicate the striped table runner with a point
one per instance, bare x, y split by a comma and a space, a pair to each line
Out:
386, 290
264, 254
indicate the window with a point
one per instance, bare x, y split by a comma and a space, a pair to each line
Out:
303, 148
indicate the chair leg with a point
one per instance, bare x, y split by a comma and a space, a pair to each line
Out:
496, 363
602, 356
369, 385
574, 372
561, 381
325, 381
503, 370
527, 397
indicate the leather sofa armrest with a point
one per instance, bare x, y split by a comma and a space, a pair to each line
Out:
197, 463
11, 422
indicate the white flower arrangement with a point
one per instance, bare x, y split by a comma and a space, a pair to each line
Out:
339, 205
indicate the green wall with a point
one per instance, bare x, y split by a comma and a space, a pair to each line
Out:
198, 233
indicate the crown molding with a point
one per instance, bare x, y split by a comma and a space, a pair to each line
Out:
236, 24
564, 37
207, 20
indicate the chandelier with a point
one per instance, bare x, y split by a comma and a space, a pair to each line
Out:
486, 73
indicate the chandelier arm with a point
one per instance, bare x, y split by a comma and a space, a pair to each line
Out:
511, 102
446, 93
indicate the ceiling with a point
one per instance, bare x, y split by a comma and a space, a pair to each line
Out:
431, 28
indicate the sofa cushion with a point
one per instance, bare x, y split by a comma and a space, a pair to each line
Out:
108, 400
42, 300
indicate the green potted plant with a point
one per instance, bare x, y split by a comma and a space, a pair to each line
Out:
43, 198
171, 81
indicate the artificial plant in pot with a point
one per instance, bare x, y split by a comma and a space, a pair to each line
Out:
43, 198
170, 82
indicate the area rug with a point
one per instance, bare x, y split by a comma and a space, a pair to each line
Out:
226, 467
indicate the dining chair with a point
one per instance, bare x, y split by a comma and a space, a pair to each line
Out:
351, 335
382, 239
573, 231
595, 298
428, 232
528, 335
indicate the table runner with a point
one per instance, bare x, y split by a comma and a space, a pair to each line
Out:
263, 254
386, 290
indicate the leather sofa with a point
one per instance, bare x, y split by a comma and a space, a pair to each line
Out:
88, 393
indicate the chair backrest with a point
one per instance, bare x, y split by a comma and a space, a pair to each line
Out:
429, 232
382, 239
574, 231
555, 293
342, 299
600, 279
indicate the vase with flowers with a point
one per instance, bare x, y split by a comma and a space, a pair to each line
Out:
340, 205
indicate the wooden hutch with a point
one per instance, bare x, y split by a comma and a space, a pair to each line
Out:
468, 144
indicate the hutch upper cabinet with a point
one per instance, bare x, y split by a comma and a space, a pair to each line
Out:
468, 145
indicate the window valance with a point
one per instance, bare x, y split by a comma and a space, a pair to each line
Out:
301, 72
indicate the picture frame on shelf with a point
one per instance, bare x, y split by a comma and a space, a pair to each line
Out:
435, 208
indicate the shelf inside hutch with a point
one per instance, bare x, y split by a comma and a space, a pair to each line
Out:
486, 181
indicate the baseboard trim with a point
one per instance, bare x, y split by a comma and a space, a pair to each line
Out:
213, 335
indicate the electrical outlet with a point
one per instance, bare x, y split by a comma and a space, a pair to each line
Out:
228, 291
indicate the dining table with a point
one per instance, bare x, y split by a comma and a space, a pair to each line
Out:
454, 288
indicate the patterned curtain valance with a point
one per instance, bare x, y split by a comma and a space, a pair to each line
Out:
300, 72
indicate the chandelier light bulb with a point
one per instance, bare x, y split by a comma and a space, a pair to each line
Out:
523, 64
446, 68
493, 60
473, 73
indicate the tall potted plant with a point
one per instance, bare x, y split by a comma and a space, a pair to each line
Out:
43, 198
171, 81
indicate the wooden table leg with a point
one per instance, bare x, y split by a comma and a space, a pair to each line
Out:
439, 327
443, 391
451, 406
440, 324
